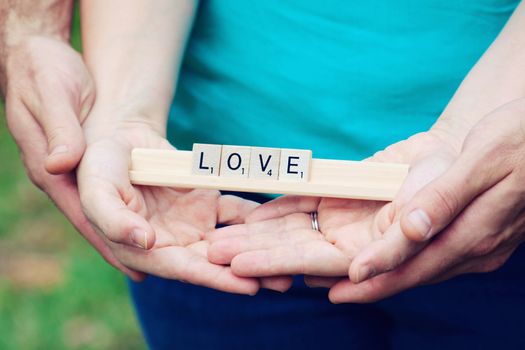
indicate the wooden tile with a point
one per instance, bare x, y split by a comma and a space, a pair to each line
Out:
206, 159
264, 163
328, 177
295, 164
235, 161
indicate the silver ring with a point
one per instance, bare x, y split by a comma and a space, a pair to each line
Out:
315, 223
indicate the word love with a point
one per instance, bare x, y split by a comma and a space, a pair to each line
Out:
251, 162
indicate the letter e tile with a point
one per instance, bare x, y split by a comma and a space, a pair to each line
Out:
295, 164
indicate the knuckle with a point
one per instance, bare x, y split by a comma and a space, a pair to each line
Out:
493, 264
52, 79
35, 175
116, 230
36, 180
488, 245
445, 200
56, 133
483, 248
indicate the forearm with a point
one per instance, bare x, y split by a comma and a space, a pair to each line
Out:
496, 79
22, 18
133, 50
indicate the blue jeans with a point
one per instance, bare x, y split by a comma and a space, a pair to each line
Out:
476, 311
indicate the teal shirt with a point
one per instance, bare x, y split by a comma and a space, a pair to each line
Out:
343, 78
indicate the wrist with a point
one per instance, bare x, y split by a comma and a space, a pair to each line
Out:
17, 50
21, 19
115, 122
453, 128
451, 131
15, 37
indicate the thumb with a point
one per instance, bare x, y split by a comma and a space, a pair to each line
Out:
109, 201
438, 203
64, 135
59, 118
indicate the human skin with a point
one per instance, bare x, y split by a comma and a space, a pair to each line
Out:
442, 193
278, 238
476, 214
133, 50
483, 195
48, 93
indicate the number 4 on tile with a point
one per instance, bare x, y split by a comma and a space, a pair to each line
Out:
264, 163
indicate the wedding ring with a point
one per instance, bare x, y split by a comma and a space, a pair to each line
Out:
315, 223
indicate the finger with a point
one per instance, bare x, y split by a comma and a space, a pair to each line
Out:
109, 201
62, 190
384, 218
435, 259
227, 232
484, 264
277, 283
430, 266
283, 206
277, 225
59, 120
188, 265
439, 202
311, 258
223, 251
233, 209
421, 173
109, 213
382, 255
321, 282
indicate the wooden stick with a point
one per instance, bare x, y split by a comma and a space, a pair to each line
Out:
328, 178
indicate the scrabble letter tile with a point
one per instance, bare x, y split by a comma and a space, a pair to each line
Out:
295, 164
235, 161
264, 163
206, 159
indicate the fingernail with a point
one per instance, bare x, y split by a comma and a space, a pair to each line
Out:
139, 239
59, 150
421, 222
365, 273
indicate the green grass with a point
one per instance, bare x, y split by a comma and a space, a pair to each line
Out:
55, 291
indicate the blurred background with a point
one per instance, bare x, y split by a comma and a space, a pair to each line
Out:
55, 291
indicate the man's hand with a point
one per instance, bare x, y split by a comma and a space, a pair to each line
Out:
472, 217
49, 92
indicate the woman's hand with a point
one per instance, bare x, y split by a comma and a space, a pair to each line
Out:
135, 71
278, 238
155, 230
